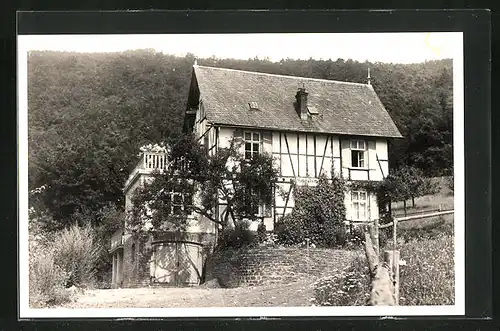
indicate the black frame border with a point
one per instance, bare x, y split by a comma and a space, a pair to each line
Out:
477, 35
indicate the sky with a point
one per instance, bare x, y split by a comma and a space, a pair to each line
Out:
373, 47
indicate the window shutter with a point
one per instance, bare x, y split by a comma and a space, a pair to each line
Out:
371, 155
345, 150
238, 139
267, 141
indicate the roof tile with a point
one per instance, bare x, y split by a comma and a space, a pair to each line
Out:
343, 107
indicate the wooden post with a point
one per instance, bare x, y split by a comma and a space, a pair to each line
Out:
392, 259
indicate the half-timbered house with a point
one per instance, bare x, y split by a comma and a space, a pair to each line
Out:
310, 126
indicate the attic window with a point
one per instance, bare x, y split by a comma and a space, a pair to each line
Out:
312, 110
253, 105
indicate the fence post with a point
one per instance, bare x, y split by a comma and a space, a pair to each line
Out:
392, 259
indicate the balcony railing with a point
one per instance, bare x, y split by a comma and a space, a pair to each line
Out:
154, 161
149, 162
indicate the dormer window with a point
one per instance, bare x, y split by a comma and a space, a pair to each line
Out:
312, 110
358, 148
253, 105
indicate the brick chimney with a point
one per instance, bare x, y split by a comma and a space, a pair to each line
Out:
301, 97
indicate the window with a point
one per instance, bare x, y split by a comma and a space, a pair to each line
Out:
358, 153
253, 105
359, 205
252, 144
179, 203
132, 253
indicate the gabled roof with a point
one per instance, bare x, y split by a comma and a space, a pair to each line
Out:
342, 107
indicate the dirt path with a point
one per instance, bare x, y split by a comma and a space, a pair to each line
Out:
295, 294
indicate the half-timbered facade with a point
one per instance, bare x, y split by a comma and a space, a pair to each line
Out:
310, 126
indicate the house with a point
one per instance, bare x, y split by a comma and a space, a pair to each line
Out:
310, 126
175, 259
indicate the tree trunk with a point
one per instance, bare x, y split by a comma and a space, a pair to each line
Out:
413, 202
404, 206
382, 288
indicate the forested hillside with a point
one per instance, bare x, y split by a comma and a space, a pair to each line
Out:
89, 114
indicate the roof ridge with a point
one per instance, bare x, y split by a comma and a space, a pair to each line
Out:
286, 76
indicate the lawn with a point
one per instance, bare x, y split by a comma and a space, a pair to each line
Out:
443, 199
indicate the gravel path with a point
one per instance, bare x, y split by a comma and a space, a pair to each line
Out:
295, 294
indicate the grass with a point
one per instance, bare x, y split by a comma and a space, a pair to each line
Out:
427, 245
443, 199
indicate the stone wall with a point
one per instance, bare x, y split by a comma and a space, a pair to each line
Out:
268, 265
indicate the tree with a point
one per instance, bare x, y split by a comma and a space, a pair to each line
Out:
407, 183
204, 181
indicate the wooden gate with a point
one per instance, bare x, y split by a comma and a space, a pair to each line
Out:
177, 263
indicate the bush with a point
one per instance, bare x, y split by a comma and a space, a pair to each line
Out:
261, 232
46, 279
318, 215
351, 287
237, 237
290, 230
77, 251
429, 276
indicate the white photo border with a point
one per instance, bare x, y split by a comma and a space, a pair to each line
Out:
458, 309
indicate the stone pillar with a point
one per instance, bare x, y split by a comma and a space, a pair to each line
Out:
119, 267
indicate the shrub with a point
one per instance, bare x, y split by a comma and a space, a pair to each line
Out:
428, 278
77, 251
46, 279
237, 237
261, 232
351, 287
354, 237
290, 230
318, 215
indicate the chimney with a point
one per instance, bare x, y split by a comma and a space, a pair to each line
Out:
301, 97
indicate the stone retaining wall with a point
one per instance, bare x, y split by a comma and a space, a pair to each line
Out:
267, 265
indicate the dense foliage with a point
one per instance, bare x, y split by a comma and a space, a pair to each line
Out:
318, 215
90, 113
